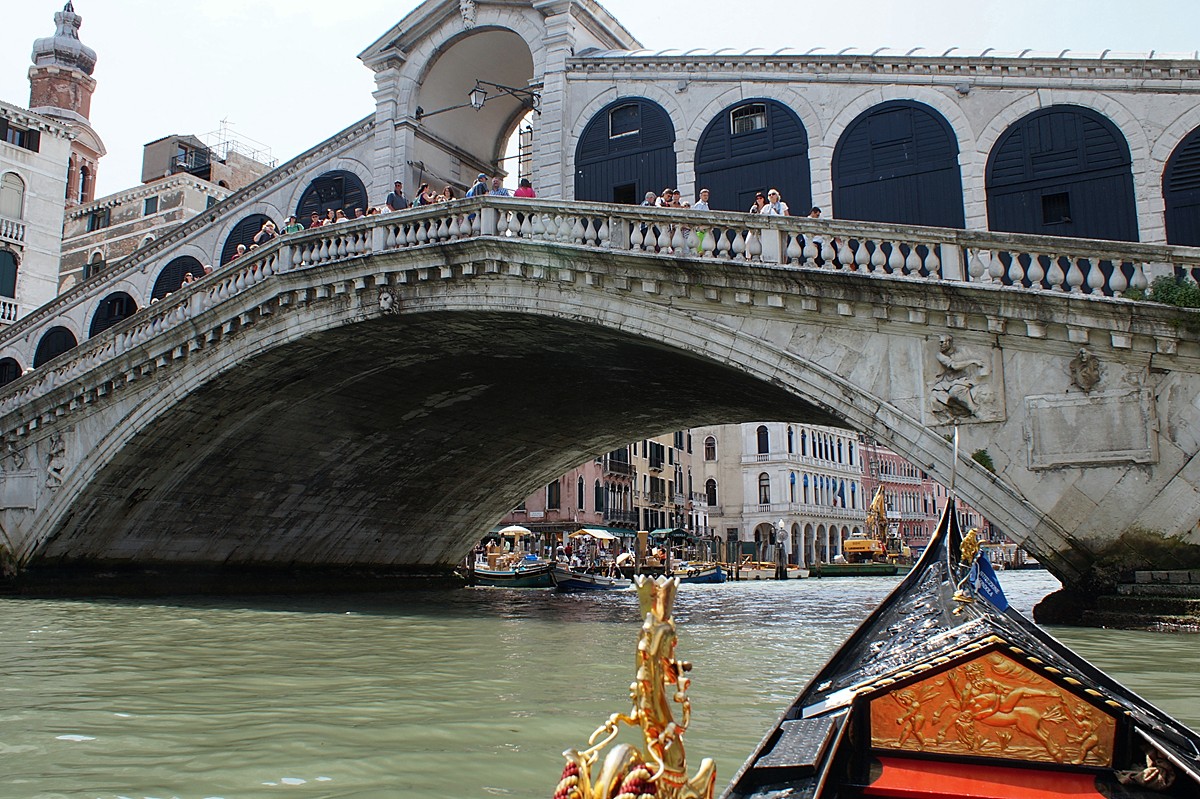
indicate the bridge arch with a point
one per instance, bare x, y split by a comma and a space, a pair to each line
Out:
113, 309
898, 162
243, 233
626, 150
335, 189
171, 277
752, 145
1063, 170
10, 370
53, 343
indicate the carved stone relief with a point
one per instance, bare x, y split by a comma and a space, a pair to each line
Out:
967, 385
389, 303
1085, 371
1103, 427
56, 461
467, 9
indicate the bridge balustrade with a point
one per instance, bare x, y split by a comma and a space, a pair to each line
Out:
12, 230
1015, 261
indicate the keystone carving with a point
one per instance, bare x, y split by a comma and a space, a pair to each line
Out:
963, 388
1085, 371
388, 302
467, 9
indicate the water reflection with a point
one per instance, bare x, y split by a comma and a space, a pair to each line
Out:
466, 693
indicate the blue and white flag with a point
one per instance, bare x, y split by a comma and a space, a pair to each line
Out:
983, 577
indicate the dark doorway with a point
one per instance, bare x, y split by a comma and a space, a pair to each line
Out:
1181, 192
171, 277
1062, 171
751, 147
112, 309
626, 194
242, 233
338, 190
898, 162
630, 143
56, 341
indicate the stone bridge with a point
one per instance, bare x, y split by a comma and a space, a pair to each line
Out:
375, 393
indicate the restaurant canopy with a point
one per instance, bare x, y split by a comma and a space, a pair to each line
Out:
672, 533
599, 535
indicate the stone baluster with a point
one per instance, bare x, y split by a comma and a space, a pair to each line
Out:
912, 263
810, 252
636, 237
794, 252
604, 233
975, 266
845, 258
862, 257
1016, 270
1095, 276
1074, 277
708, 242
878, 259
452, 230
1118, 282
755, 245
692, 242
738, 247
724, 246
933, 264
1139, 282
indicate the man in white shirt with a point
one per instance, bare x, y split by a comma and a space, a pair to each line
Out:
702, 203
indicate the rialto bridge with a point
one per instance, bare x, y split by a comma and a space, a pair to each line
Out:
375, 394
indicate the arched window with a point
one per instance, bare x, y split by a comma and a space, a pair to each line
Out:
112, 309
627, 149
710, 448
898, 162
12, 196
338, 190
764, 440
804, 443
1181, 192
579, 493
764, 489
710, 492
54, 343
10, 370
172, 275
598, 498
1062, 171
792, 487
242, 233
553, 496
791, 440
8, 274
85, 177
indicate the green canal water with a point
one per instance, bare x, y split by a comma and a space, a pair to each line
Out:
465, 694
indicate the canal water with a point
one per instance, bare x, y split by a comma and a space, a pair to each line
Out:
468, 693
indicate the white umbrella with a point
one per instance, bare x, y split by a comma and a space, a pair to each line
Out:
515, 529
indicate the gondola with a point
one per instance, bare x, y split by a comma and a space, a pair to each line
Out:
945, 691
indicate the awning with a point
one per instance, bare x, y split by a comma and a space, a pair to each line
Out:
513, 530
675, 534
599, 535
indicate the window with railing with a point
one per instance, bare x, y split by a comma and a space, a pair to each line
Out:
12, 196
764, 489
748, 118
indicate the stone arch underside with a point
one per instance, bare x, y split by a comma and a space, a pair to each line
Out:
389, 454
452, 146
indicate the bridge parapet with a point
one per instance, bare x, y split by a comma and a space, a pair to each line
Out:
1020, 265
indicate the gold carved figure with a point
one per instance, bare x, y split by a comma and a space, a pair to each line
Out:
659, 768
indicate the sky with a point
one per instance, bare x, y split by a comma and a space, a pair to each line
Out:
286, 72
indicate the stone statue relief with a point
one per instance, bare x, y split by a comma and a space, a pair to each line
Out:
467, 9
962, 387
56, 462
1085, 371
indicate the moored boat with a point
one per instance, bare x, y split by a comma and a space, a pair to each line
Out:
944, 691
525, 574
868, 569
699, 573
568, 579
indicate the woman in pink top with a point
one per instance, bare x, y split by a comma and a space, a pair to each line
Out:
525, 189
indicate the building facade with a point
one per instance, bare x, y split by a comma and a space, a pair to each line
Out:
34, 153
646, 485
763, 477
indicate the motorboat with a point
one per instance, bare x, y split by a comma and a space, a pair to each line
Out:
575, 579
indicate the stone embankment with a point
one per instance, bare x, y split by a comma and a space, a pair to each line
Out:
1155, 600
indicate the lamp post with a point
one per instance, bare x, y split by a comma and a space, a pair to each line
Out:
478, 96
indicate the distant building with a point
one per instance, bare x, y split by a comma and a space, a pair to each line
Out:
645, 485
756, 476
182, 177
34, 153
61, 87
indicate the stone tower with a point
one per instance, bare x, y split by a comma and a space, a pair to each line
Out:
60, 87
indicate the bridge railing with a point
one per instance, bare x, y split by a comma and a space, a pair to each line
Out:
1020, 262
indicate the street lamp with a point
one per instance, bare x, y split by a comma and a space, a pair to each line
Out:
478, 96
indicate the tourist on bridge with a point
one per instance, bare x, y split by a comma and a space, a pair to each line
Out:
266, 233
293, 225
314, 220
760, 201
702, 203
498, 189
775, 205
426, 195
525, 189
479, 189
396, 201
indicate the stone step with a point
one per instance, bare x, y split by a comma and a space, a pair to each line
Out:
1191, 590
1167, 577
1135, 621
1154, 605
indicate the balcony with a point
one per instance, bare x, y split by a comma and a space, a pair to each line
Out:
622, 468
620, 517
658, 498
10, 311
12, 231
